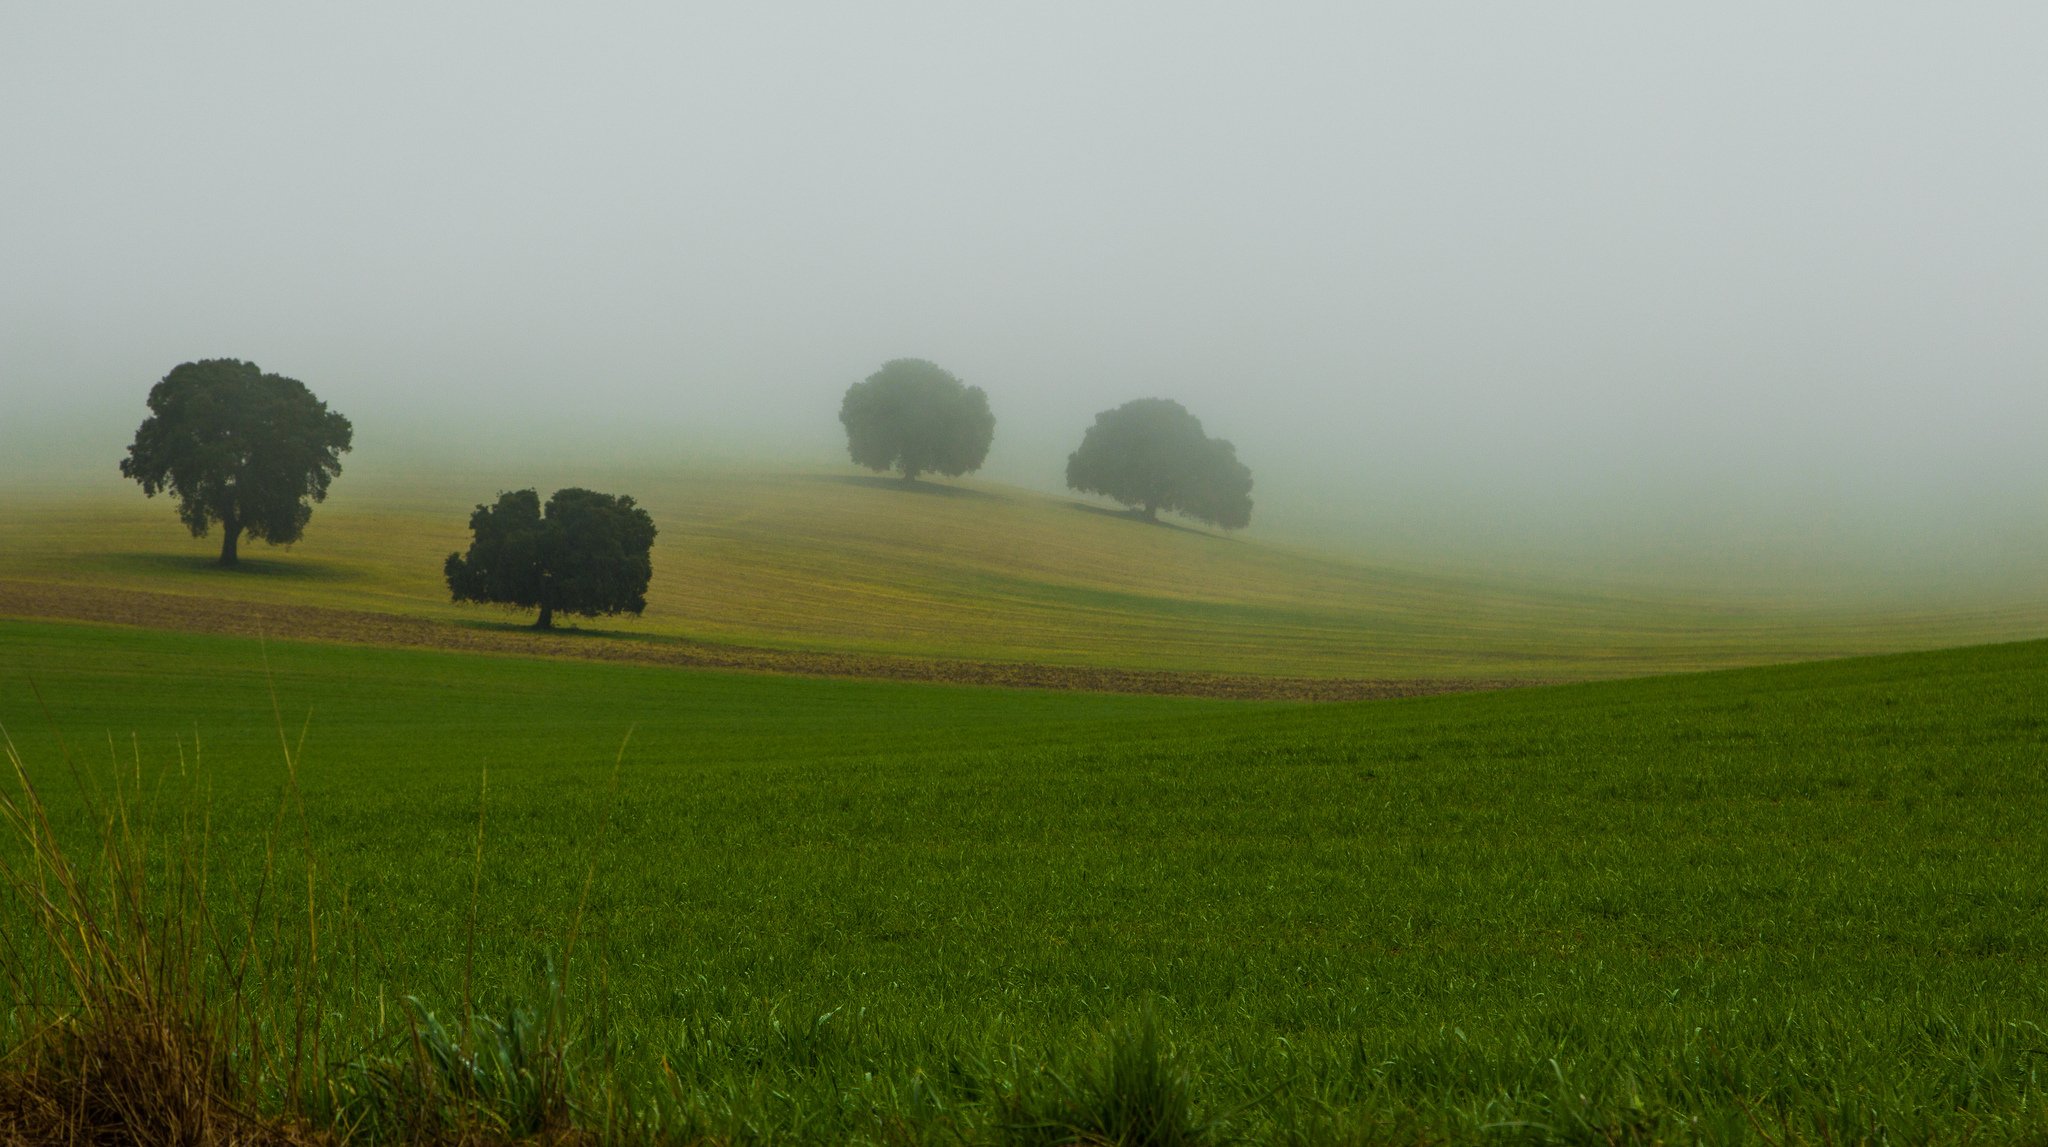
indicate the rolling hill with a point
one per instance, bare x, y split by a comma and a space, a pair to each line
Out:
842, 574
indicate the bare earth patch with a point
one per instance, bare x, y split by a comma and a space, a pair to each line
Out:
28, 599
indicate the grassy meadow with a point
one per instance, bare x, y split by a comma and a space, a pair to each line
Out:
972, 571
1787, 904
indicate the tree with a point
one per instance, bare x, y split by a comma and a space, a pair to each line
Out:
239, 447
588, 554
1151, 454
914, 417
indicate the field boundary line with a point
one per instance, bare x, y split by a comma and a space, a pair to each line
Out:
188, 613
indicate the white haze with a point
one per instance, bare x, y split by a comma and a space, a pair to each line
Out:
1740, 288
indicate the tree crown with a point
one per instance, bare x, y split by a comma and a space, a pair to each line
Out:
584, 552
915, 417
1152, 454
240, 447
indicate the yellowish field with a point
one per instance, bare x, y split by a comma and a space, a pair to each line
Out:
832, 562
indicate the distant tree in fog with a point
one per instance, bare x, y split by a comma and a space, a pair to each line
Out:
235, 446
588, 553
1151, 454
913, 417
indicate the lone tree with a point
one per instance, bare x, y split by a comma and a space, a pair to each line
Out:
1151, 454
588, 554
239, 447
914, 417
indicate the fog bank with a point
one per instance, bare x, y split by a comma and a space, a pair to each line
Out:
1743, 292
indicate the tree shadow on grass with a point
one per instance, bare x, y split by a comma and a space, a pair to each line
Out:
512, 624
160, 564
1138, 516
899, 486
574, 627
565, 626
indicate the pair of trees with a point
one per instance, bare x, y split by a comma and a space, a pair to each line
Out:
914, 417
251, 451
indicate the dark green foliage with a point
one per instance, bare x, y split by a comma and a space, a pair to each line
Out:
239, 447
1150, 453
590, 553
914, 417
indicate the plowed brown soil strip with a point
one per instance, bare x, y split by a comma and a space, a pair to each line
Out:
318, 623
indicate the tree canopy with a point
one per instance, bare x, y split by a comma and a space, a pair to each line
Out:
587, 553
914, 417
240, 447
1151, 454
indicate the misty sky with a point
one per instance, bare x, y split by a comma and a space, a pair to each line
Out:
1472, 270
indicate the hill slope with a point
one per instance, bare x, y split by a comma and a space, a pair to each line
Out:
858, 566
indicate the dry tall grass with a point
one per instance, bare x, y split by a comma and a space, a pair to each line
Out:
132, 1002
152, 1003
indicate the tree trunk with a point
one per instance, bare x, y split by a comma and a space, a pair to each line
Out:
1151, 511
230, 537
547, 618
909, 475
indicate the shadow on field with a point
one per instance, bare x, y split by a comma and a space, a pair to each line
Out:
565, 626
899, 486
518, 623
157, 564
1138, 516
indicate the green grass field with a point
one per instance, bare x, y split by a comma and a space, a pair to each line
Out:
980, 572
1799, 903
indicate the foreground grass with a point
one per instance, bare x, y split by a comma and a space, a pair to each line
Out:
853, 565
1801, 903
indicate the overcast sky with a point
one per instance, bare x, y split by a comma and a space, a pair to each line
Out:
1545, 270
